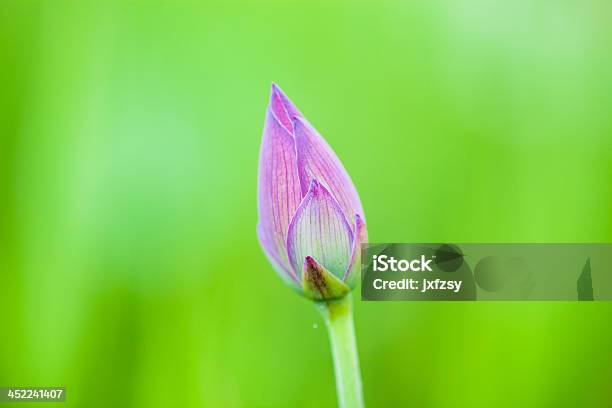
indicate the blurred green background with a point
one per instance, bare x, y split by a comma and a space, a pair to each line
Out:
129, 137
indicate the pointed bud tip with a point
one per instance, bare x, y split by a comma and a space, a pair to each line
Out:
315, 187
276, 93
281, 107
275, 90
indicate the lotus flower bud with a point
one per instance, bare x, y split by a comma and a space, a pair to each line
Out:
311, 222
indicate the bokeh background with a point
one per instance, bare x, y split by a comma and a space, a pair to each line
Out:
129, 137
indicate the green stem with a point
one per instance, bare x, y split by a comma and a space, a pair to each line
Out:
338, 315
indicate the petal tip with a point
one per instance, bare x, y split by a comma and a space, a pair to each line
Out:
360, 229
276, 92
281, 106
314, 187
297, 121
301, 127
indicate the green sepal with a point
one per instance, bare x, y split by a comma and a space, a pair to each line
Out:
320, 284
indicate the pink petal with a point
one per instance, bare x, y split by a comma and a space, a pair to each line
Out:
280, 264
316, 160
320, 230
279, 193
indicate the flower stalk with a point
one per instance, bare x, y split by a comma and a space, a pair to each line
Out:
338, 316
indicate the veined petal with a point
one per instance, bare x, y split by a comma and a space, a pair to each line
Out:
316, 160
279, 193
355, 262
280, 265
319, 229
